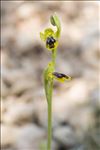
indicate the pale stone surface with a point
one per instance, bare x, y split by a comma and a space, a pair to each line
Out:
18, 113
8, 135
30, 136
66, 136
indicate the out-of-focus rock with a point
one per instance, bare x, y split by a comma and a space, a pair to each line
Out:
73, 97
66, 136
78, 93
25, 11
80, 118
8, 135
4, 90
21, 86
90, 47
30, 137
95, 97
19, 113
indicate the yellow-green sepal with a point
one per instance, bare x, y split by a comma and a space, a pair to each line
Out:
42, 36
47, 33
56, 22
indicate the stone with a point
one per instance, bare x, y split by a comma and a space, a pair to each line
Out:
21, 86
66, 136
19, 113
8, 135
79, 91
30, 137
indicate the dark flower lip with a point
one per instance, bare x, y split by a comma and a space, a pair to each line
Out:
50, 42
60, 76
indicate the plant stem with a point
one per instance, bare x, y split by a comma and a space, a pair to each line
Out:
54, 56
50, 118
50, 105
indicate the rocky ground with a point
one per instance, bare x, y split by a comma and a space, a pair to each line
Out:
76, 104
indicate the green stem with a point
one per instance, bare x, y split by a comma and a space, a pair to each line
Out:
50, 117
54, 52
49, 126
50, 89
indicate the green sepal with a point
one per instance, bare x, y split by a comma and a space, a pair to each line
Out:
47, 33
56, 22
42, 36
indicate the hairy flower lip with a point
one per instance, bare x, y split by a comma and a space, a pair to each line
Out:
51, 45
47, 34
60, 76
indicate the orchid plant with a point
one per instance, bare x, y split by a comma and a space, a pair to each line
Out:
50, 38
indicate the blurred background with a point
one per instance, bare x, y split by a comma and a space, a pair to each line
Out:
76, 103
